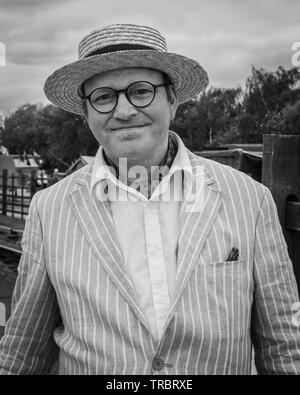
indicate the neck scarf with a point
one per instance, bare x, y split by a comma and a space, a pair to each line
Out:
165, 164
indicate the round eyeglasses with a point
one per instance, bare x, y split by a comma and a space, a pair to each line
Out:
140, 94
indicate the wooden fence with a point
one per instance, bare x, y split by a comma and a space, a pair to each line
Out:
281, 174
16, 193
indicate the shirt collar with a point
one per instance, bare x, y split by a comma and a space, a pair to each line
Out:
102, 172
182, 160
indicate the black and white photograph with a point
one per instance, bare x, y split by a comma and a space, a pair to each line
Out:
149, 190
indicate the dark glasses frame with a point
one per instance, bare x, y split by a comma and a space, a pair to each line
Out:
118, 91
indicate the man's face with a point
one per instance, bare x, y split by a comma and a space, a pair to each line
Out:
139, 134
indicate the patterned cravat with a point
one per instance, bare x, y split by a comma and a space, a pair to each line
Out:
164, 165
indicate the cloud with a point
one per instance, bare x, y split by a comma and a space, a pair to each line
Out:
225, 36
20, 5
26, 86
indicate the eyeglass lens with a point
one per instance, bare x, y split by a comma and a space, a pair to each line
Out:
139, 94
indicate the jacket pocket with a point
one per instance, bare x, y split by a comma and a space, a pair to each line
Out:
222, 269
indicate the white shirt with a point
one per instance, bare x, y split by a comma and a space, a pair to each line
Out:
148, 232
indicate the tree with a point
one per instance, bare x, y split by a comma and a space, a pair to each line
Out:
267, 94
70, 137
245, 126
59, 137
20, 129
290, 123
222, 107
190, 126
209, 120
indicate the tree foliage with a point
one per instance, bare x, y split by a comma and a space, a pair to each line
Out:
267, 95
290, 123
59, 137
209, 120
270, 103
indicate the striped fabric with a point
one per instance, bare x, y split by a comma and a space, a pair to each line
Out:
72, 282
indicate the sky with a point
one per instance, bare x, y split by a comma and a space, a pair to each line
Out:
226, 37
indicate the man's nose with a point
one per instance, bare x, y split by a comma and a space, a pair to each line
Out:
124, 109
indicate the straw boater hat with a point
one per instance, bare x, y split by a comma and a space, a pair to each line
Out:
119, 46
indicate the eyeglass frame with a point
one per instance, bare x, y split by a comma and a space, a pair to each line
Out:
118, 91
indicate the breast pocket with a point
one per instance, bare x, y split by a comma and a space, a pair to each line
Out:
227, 281
226, 289
228, 268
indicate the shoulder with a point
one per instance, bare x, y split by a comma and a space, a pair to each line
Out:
233, 184
58, 192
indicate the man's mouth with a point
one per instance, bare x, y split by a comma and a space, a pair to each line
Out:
127, 127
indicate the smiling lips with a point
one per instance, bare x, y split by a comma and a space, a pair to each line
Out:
127, 127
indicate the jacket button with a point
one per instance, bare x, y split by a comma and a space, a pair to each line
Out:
158, 364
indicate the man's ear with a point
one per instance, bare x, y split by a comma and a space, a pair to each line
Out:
84, 109
81, 93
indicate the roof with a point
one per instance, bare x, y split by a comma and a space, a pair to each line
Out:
82, 160
15, 162
87, 159
244, 147
249, 162
229, 153
26, 163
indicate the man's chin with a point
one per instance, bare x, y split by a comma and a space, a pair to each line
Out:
131, 141
134, 151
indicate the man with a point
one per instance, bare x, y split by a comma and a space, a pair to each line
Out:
152, 260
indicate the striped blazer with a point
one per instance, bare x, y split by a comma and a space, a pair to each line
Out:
74, 301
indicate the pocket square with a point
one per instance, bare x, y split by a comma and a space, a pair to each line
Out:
233, 255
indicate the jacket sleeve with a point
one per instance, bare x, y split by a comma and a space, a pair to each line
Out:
275, 331
27, 346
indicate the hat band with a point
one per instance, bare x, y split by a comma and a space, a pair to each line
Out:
119, 47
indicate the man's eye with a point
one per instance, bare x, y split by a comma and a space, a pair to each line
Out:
104, 98
141, 92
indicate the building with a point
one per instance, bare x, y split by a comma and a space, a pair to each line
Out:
18, 165
249, 162
80, 162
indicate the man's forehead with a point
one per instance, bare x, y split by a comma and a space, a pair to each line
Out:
124, 75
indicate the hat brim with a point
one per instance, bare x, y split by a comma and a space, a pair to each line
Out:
61, 88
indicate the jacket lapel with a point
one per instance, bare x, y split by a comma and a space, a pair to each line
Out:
97, 225
195, 225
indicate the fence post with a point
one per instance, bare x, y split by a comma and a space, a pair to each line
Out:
22, 195
4, 191
12, 196
281, 174
32, 184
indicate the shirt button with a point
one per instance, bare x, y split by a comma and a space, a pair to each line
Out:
158, 364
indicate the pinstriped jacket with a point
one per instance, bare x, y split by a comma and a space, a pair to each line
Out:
73, 297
